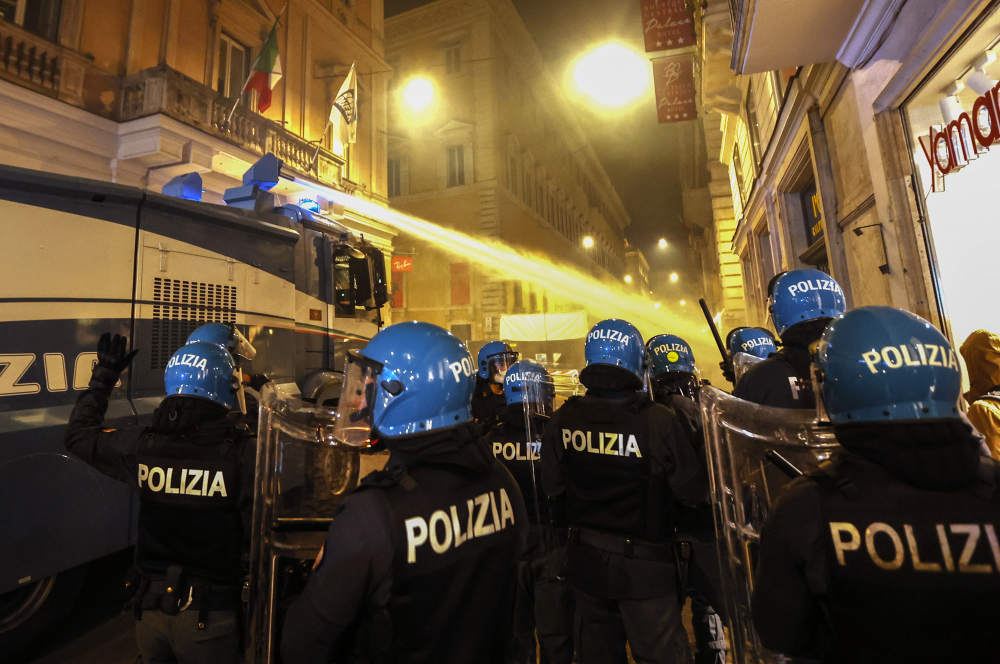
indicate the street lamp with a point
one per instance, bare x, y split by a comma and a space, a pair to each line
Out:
419, 93
663, 243
628, 278
656, 305
673, 277
683, 303
588, 241
612, 75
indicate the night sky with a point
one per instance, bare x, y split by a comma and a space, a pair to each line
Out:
638, 154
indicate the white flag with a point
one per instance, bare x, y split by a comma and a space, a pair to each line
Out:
345, 109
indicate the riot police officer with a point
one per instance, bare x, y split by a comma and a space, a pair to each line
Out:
889, 553
618, 458
488, 403
194, 469
747, 346
802, 302
675, 385
544, 601
420, 563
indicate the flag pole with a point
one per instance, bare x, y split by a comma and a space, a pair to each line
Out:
236, 103
319, 143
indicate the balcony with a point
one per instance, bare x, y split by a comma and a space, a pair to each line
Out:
774, 34
162, 90
39, 65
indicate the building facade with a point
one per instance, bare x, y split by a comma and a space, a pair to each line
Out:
139, 91
495, 153
637, 273
841, 148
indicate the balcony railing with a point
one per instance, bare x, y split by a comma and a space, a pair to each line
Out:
164, 90
32, 62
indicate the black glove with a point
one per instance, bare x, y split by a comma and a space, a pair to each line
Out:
727, 371
257, 381
112, 353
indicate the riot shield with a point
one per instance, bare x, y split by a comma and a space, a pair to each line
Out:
742, 363
539, 396
302, 476
741, 439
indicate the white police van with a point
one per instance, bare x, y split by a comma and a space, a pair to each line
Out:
81, 257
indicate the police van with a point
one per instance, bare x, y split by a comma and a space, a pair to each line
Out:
82, 257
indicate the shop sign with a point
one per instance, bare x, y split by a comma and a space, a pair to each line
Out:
402, 264
811, 213
667, 24
673, 81
951, 147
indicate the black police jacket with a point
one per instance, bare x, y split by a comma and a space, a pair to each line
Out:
194, 472
619, 462
781, 381
895, 561
420, 563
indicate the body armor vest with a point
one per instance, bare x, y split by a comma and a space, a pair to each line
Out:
189, 489
911, 569
455, 563
610, 485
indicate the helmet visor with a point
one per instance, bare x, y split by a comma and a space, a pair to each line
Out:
239, 346
498, 365
357, 401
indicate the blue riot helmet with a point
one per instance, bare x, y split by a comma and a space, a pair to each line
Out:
411, 378
202, 370
528, 381
754, 341
495, 357
668, 352
227, 336
798, 296
614, 348
880, 364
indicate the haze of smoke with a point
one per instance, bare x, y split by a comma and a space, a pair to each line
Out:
599, 299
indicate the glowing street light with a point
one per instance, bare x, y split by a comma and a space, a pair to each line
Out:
683, 303
673, 277
663, 243
588, 242
628, 278
656, 305
612, 75
419, 93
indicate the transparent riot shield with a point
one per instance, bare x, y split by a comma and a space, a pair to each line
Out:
303, 475
539, 398
742, 363
746, 446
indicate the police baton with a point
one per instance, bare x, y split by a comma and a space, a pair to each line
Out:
783, 464
726, 360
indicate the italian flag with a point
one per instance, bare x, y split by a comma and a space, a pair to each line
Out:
266, 71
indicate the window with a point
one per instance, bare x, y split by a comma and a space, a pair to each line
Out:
234, 65
532, 302
460, 289
753, 126
456, 165
40, 17
393, 167
453, 60
518, 297
512, 175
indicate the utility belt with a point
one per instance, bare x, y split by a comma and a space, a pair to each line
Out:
175, 591
622, 545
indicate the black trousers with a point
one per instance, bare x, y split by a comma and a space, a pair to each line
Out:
704, 589
544, 605
651, 627
164, 639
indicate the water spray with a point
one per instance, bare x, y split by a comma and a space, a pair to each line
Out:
598, 298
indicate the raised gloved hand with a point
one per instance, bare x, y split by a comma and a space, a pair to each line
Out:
256, 381
112, 352
727, 371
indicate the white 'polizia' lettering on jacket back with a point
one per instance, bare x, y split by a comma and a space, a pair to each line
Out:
444, 529
612, 444
191, 482
847, 539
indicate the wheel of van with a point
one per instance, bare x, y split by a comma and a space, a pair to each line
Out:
27, 612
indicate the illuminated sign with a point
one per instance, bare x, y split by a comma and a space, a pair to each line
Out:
402, 264
950, 147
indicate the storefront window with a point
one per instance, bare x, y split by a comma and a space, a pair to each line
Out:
958, 166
